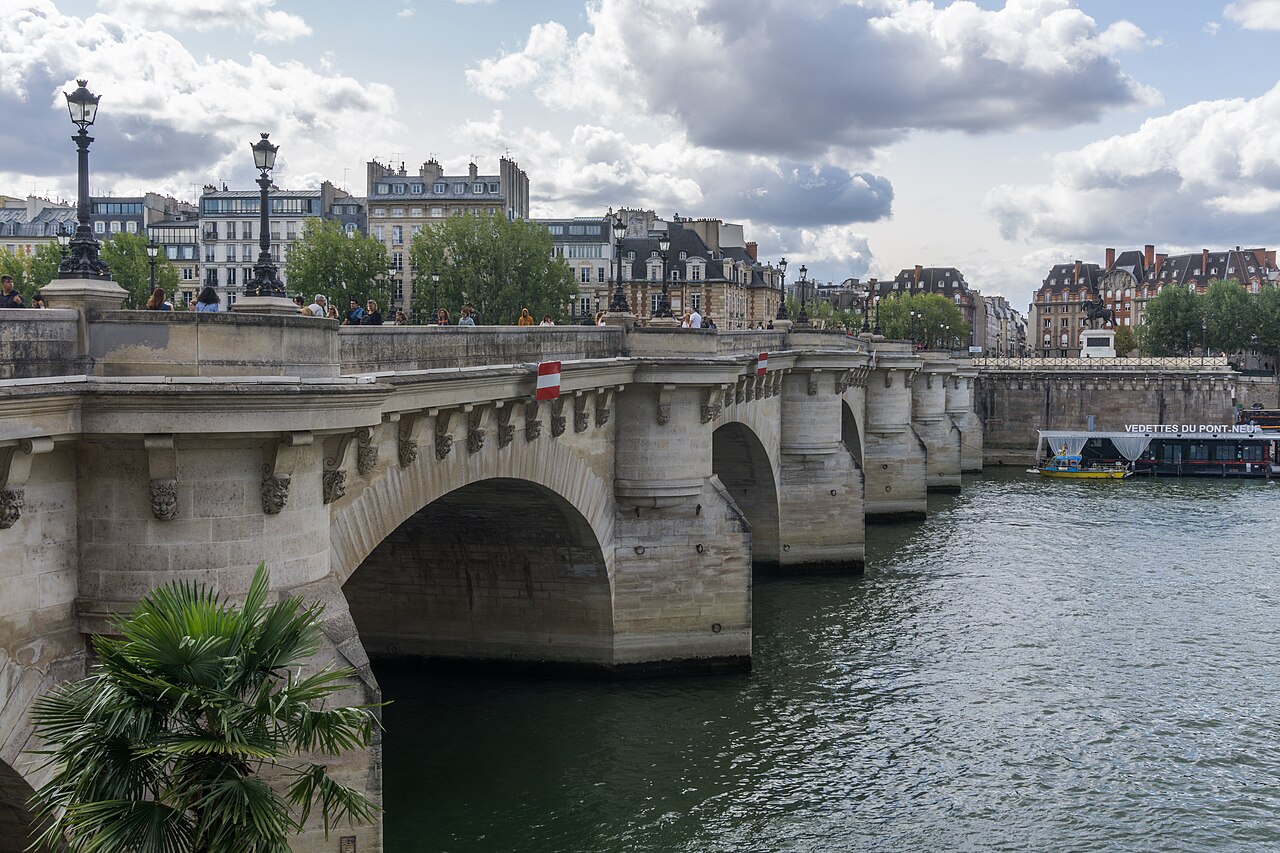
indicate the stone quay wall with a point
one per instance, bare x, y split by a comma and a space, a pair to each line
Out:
1014, 403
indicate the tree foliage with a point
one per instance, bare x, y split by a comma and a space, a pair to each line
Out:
1126, 341
162, 746
31, 272
126, 256
938, 323
496, 264
825, 315
325, 260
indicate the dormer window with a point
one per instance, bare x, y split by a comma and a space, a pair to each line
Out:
684, 256
439, 187
459, 189
417, 188
477, 187
631, 256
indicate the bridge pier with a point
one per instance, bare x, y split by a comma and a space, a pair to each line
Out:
820, 486
960, 410
895, 465
940, 435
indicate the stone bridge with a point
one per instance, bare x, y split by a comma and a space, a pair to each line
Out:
407, 477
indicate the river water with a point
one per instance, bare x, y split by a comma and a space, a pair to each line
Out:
1038, 666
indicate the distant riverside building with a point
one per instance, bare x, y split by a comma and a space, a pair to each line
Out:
1127, 281
401, 204
111, 215
229, 230
587, 246
179, 241
27, 224
944, 281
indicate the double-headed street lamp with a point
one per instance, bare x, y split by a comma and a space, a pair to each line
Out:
802, 319
618, 304
265, 280
782, 303
435, 299
64, 240
664, 307
153, 249
866, 310
82, 260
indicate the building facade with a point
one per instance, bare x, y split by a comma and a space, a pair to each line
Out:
943, 281
179, 241
229, 232
27, 224
111, 215
400, 205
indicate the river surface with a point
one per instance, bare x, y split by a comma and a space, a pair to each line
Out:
1038, 666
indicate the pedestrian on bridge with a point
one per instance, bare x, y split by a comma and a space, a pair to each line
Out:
525, 318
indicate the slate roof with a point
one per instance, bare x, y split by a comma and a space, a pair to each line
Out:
682, 240
1242, 265
945, 280
14, 223
1062, 277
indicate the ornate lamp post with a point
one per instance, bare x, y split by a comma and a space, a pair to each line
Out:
618, 304
1204, 340
435, 299
664, 307
265, 280
64, 240
782, 303
153, 249
876, 330
866, 310
911, 327
82, 261
803, 319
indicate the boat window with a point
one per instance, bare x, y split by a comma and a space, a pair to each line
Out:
1198, 453
1224, 452
1251, 453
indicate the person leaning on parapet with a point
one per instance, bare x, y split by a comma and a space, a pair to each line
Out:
372, 316
207, 302
9, 298
525, 319
695, 319
354, 314
468, 316
547, 321
37, 301
318, 307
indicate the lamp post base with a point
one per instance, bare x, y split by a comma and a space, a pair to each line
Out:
782, 325
664, 323
278, 305
625, 319
88, 295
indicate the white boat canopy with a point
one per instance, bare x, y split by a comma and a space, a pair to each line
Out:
1131, 445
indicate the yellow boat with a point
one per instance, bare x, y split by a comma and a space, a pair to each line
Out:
1074, 468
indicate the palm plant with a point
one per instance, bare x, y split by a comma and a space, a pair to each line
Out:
162, 747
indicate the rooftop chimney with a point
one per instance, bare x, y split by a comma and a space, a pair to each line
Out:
1149, 254
1204, 263
918, 268
1077, 278
1111, 258
752, 249
1160, 259
472, 171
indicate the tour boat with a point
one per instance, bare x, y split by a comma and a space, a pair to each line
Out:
1075, 468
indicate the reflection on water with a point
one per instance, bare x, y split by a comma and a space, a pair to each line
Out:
1039, 665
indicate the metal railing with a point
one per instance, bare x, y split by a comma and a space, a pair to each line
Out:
1096, 365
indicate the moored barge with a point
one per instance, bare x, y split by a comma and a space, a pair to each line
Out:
1215, 450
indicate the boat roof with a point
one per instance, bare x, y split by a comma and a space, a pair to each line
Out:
1226, 434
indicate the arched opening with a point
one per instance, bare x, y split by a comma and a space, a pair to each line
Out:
849, 432
15, 817
740, 461
498, 570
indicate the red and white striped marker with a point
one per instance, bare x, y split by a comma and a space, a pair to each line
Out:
762, 364
548, 381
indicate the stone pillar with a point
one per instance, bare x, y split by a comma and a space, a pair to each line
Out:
960, 408
929, 418
820, 489
90, 297
894, 457
682, 576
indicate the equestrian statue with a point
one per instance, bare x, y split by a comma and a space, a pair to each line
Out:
1095, 310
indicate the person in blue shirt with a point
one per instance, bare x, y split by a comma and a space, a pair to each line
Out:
355, 314
207, 301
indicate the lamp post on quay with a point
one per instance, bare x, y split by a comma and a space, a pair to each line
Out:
264, 294
435, 299
662, 316
153, 249
618, 304
64, 240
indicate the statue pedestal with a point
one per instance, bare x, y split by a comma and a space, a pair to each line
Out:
87, 295
1098, 343
625, 319
664, 323
277, 305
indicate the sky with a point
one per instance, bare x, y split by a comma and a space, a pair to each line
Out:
856, 137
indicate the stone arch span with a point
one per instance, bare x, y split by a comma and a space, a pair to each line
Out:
496, 570
15, 817
850, 434
742, 463
373, 509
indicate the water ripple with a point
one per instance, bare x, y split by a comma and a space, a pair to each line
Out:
1066, 666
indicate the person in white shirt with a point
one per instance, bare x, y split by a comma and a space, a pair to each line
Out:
318, 308
695, 320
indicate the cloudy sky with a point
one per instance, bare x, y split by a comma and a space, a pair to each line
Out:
856, 136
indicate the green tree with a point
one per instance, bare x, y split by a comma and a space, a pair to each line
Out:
31, 272
1171, 322
496, 264
126, 255
162, 746
1230, 316
1266, 330
325, 260
1126, 341
823, 314
938, 322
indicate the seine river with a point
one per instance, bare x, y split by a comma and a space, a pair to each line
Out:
1038, 666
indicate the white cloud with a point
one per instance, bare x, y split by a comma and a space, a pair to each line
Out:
806, 77
1254, 14
1206, 174
408, 11
1212, 28
256, 16
168, 119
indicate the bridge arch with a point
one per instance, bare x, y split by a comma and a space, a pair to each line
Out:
742, 462
497, 570
850, 433
15, 817
482, 556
